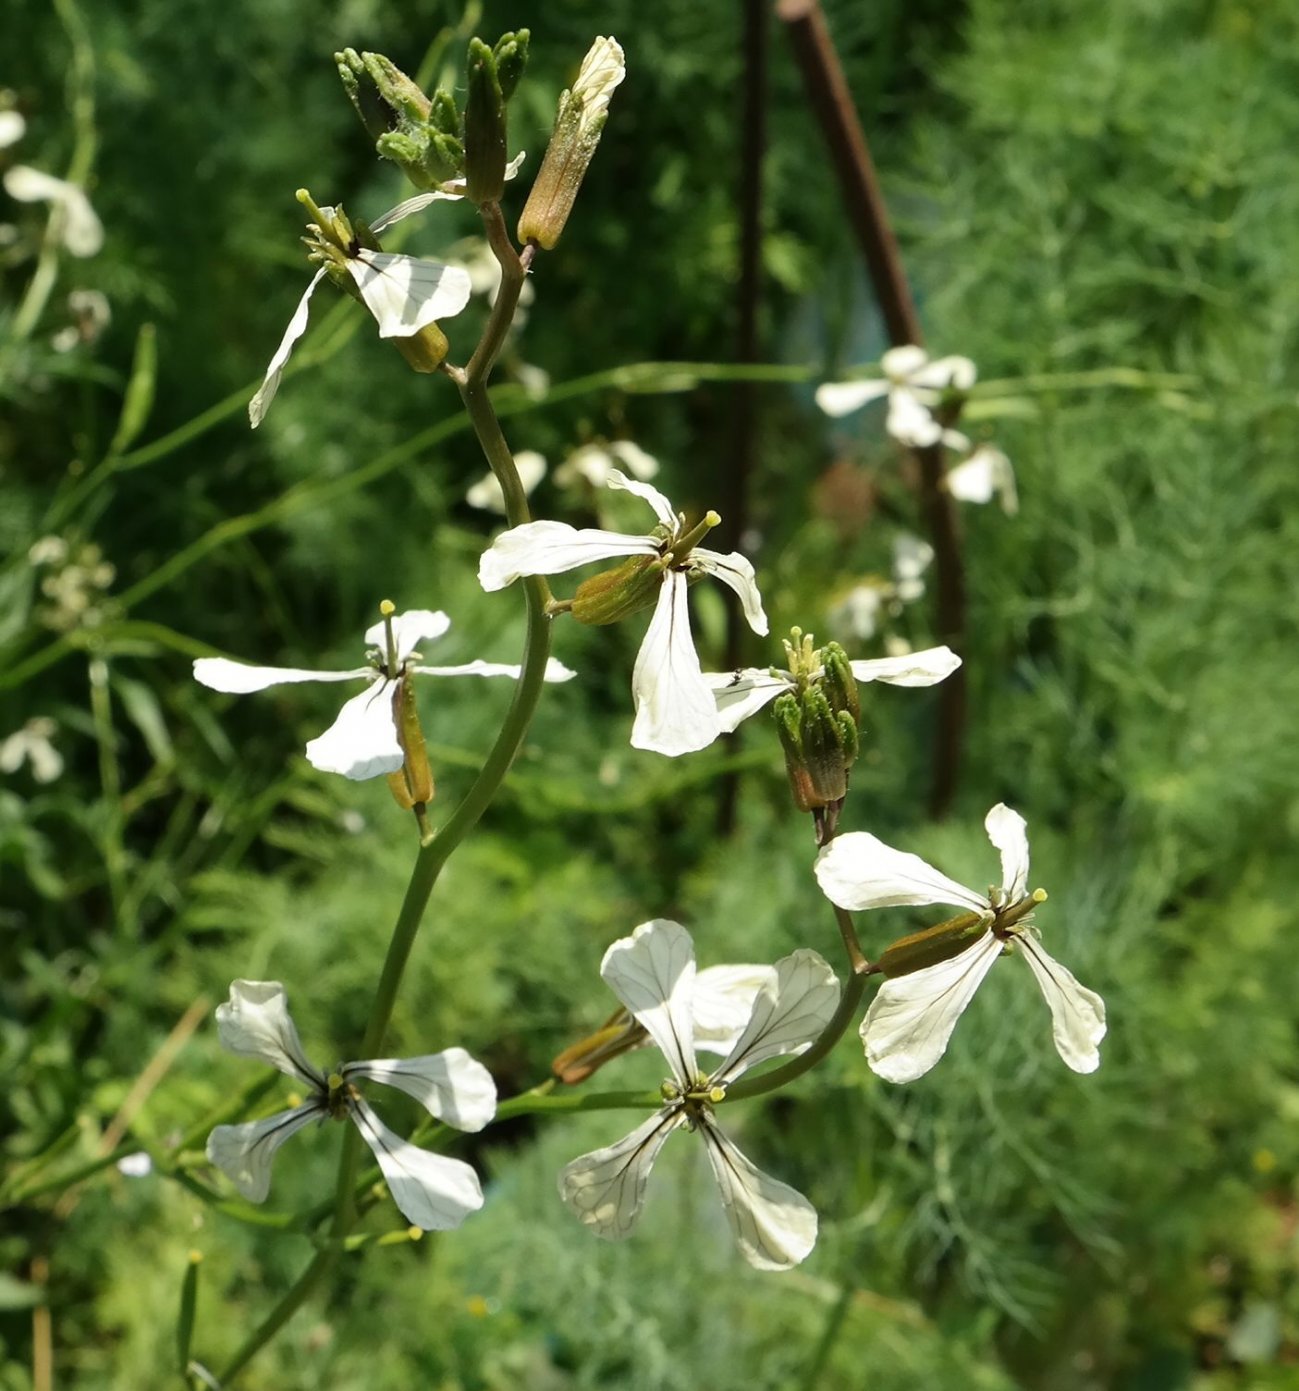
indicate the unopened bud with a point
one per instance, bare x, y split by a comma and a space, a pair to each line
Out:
619, 1034
838, 682
583, 110
484, 127
379, 90
934, 945
820, 746
614, 594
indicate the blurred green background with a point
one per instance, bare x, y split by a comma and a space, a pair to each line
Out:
1077, 189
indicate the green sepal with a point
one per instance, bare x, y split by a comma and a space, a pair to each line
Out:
412, 784
444, 114
933, 945
374, 112
614, 594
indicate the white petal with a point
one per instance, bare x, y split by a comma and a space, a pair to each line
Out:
973, 480
555, 670
742, 693
362, 741
907, 1027
662, 507
434, 1192
606, 1188
409, 629
911, 557
405, 293
238, 678
245, 1153
909, 420
789, 1012
451, 1086
550, 548
723, 1003
1077, 1014
260, 403
859, 871
924, 668
675, 709
255, 1023
736, 573
653, 973
773, 1224
901, 364
411, 205
944, 373
842, 398
1007, 830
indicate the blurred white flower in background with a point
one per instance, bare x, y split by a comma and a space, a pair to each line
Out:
12, 127
486, 493
913, 382
32, 744
79, 227
595, 464
986, 473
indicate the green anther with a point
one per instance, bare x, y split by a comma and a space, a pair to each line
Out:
669, 1091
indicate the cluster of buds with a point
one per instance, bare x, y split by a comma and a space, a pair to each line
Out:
429, 138
818, 721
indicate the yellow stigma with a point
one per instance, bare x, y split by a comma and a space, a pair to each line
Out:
713, 518
335, 1082
387, 608
716, 1094
1039, 895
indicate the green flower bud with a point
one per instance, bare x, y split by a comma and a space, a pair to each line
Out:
484, 127
820, 745
579, 120
838, 682
934, 944
614, 594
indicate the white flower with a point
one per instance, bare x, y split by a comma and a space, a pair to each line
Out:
137, 1165
404, 293
486, 493
675, 709
910, 1021
12, 127
602, 70
362, 741
913, 383
596, 463
82, 232
432, 1191
742, 693
31, 744
985, 474
911, 558
653, 973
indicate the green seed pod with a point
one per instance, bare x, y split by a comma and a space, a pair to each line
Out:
614, 594
934, 944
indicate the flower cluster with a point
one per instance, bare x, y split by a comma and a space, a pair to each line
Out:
918, 388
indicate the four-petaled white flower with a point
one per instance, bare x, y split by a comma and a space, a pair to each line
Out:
404, 293
362, 742
653, 973
432, 1191
675, 709
914, 383
986, 473
909, 1022
742, 693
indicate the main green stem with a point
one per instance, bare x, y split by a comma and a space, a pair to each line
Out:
472, 382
